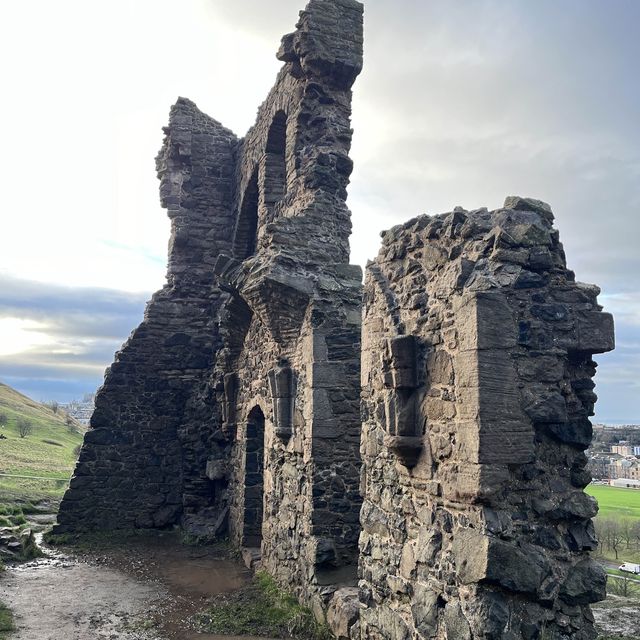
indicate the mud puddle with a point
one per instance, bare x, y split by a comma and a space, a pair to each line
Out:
145, 589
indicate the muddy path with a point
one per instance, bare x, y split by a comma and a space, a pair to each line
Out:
142, 589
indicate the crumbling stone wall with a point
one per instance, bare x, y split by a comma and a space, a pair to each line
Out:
234, 407
143, 460
477, 392
296, 352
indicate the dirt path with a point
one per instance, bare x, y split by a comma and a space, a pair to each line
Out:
147, 590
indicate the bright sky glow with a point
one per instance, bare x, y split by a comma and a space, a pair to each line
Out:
18, 335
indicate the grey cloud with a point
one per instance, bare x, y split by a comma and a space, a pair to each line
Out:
474, 101
88, 325
265, 16
74, 312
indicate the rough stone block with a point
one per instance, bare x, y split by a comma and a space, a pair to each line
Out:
595, 332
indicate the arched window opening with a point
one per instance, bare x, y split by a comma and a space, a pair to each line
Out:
254, 479
245, 240
275, 167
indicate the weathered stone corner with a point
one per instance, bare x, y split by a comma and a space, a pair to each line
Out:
486, 532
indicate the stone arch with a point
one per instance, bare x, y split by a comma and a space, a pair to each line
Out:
246, 234
254, 478
274, 182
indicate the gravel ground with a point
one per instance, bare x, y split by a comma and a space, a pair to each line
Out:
142, 590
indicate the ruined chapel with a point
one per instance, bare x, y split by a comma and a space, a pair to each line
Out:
406, 456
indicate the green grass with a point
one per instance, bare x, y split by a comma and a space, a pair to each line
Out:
615, 502
262, 609
6, 622
47, 452
624, 574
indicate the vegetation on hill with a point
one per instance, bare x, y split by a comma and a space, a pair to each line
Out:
36, 462
6, 622
616, 502
618, 522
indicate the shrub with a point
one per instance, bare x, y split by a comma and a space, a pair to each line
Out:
25, 427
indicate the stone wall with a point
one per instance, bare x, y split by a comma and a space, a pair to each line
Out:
143, 460
234, 407
297, 353
477, 391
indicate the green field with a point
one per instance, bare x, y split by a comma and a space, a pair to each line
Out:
615, 502
48, 452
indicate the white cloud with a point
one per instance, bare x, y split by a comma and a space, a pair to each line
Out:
18, 335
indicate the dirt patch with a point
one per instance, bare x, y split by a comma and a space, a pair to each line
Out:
55, 599
618, 617
144, 589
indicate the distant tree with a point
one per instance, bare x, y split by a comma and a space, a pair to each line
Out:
4, 418
54, 406
70, 422
25, 427
622, 586
626, 531
601, 533
612, 535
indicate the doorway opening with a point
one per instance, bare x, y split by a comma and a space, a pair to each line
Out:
254, 479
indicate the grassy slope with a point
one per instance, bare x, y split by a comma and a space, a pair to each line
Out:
616, 502
6, 622
32, 456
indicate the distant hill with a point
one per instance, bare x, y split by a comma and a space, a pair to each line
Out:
47, 454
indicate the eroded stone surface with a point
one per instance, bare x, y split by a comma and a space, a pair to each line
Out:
485, 532
234, 407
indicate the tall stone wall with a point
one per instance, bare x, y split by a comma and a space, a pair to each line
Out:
234, 407
296, 352
477, 391
143, 460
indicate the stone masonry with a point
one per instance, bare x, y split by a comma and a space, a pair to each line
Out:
235, 407
477, 391
411, 470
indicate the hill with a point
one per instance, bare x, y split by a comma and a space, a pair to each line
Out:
46, 456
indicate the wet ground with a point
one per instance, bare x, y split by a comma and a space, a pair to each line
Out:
142, 589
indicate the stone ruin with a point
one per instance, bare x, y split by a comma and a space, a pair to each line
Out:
426, 482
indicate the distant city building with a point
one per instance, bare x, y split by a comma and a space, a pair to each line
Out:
80, 411
624, 468
628, 483
623, 449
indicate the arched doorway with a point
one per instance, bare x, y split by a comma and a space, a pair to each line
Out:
254, 479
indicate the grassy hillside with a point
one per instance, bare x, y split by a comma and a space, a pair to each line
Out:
619, 510
47, 453
615, 502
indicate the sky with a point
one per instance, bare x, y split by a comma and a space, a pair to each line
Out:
460, 103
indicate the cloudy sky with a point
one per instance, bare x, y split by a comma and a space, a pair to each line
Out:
460, 103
